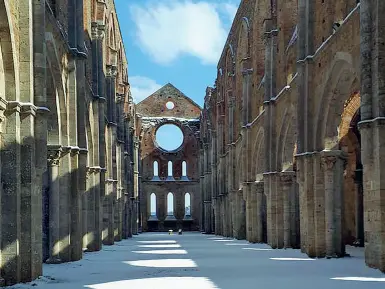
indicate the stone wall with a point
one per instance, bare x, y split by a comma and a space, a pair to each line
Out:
152, 113
291, 134
67, 131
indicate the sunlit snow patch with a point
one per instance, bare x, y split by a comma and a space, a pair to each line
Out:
163, 252
160, 246
258, 249
159, 283
158, 242
164, 263
292, 259
223, 240
360, 279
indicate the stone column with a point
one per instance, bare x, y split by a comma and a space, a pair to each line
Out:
305, 180
372, 128
76, 208
250, 207
333, 165
360, 233
287, 190
54, 155
258, 213
136, 188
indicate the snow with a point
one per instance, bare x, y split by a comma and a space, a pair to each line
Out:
203, 262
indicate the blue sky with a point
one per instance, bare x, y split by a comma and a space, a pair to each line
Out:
177, 41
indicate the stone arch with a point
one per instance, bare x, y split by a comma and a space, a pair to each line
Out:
8, 77
99, 11
89, 135
262, 11
339, 86
286, 141
56, 95
258, 155
112, 31
239, 161
242, 55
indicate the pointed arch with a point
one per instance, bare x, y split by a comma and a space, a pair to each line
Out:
153, 205
56, 96
169, 169
341, 84
184, 169
156, 168
187, 204
170, 204
258, 155
9, 86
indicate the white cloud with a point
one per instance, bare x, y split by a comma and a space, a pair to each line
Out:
230, 9
142, 87
169, 29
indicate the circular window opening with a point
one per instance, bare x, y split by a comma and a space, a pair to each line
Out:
170, 105
169, 137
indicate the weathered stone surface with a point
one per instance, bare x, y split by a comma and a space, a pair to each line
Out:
54, 99
296, 80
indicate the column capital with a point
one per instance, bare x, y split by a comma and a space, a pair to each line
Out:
98, 30
329, 158
287, 178
54, 154
111, 70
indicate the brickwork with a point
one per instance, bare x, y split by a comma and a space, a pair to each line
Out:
300, 144
152, 113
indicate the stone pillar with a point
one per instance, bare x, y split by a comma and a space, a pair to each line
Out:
135, 210
250, 207
333, 165
54, 155
305, 180
247, 91
372, 128
88, 210
258, 214
360, 234
287, 191
274, 212
76, 208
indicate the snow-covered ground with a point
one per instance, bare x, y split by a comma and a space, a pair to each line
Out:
192, 260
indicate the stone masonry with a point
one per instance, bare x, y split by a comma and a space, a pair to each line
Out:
152, 113
67, 130
292, 133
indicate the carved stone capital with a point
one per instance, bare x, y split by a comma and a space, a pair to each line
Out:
98, 30
329, 159
111, 71
54, 155
287, 178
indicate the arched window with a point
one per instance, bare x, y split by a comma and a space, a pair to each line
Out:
187, 204
156, 169
153, 205
184, 169
170, 168
170, 204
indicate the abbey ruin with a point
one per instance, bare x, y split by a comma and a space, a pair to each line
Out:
287, 150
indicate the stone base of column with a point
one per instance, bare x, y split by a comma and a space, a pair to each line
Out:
373, 161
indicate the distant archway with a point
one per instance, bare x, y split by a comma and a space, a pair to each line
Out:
170, 204
184, 169
153, 205
187, 204
156, 169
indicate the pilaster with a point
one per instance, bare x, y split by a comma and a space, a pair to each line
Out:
333, 167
